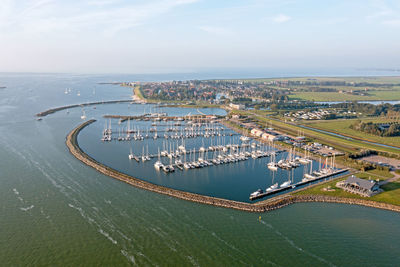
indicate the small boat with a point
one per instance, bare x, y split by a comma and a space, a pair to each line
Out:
272, 187
131, 156
286, 184
83, 117
256, 193
168, 168
273, 166
158, 165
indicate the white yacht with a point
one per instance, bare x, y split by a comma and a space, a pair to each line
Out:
256, 193
83, 117
272, 187
130, 156
158, 165
286, 184
273, 166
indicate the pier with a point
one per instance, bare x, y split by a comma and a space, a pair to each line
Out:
148, 116
54, 110
292, 186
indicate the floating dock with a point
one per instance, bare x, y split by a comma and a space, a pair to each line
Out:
281, 189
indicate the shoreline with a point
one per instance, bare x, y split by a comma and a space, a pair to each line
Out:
262, 206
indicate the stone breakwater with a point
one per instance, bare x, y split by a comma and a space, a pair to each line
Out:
54, 110
262, 206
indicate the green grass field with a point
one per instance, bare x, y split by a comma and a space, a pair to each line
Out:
343, 127
334, 96
390, 195
138, 92
369, 79
337, 142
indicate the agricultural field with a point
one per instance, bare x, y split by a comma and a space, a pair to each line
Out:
371, 79
343, 127
374, 95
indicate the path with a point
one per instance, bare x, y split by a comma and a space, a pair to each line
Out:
390, 180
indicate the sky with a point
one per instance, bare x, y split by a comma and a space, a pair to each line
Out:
166, 36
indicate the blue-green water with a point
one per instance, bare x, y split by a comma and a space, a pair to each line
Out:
56, 211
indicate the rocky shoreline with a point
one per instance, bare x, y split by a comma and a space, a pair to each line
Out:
262, 206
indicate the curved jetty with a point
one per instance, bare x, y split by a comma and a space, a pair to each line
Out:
262, 206
53, 110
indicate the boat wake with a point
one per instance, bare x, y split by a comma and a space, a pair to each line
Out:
131, 258
27, 208
108, 236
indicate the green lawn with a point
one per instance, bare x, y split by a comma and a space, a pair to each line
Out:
390, 195
334, 96
343, 127
138, 92
380, 173
368, 79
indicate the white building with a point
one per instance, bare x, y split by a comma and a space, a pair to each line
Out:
256, 132
237, 106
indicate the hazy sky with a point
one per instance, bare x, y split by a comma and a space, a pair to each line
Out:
127, 36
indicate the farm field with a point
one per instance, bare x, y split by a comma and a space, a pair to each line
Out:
375, 95
343, 127
371, 79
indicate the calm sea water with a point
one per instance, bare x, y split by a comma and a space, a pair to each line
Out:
56, 211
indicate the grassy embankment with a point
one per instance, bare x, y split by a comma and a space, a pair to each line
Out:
390, 195
343, 127
138, 92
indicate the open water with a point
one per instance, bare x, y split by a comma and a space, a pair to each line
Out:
56, 211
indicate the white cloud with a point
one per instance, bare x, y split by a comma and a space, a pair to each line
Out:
281, 18
44, 16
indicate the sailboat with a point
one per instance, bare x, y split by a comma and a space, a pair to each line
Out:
287, 183
158, 164
272, 165
186, 165
131, 156
273, 186
83, 117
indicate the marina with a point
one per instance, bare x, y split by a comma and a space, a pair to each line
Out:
195, 153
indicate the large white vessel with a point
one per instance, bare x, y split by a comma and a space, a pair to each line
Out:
286, 184
272, 187
256, 193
